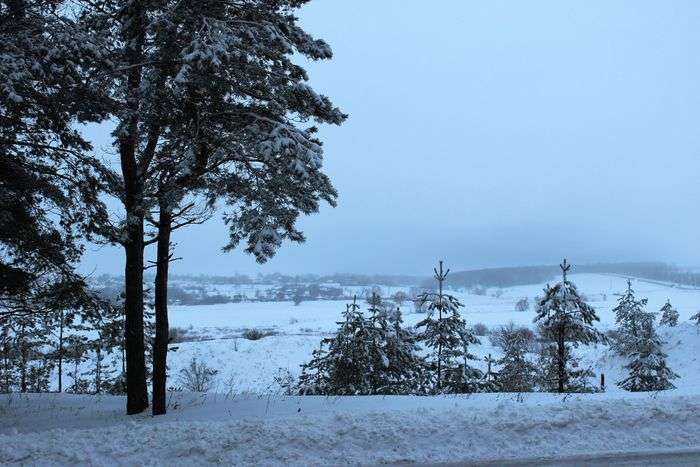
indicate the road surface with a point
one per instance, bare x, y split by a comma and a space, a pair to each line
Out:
672, 457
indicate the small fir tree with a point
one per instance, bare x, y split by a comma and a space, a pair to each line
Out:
343, 366
405, 370
631, 318
669, 316
517, 373
446, 334
377, 327
567, 321
647, 369
373, 355
696, 318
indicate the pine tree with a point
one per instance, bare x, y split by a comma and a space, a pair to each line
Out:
342, 368
567, 321
377, 327
405, 371
367, 355
669, 316
446, 334
696, 318
210, 107
631, 318
49, 182
578, 378
648, 370
75, 355
516, 373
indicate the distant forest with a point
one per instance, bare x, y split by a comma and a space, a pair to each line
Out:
197, 289
524, 275
341, 279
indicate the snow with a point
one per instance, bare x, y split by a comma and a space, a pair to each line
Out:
246, 420
216, 430
250, 366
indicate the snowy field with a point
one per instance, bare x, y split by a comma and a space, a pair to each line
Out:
246, 420
246, 366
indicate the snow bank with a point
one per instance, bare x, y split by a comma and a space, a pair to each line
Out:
354, 430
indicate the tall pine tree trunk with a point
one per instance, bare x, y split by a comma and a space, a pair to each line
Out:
23, 360
160, 346
60, 353
98, 367
133, 19
136, 389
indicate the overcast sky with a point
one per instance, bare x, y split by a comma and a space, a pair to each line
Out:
494, 134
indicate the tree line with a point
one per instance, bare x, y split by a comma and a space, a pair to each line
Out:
376, 354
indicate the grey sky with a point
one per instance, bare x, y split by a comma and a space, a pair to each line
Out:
495, 133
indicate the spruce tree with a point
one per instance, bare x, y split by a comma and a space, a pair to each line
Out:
516, 373
648, 370
567, 321
343, 366
406, 369
669, 316
631, 318
696, 318
377, 327
367, 355
447, 337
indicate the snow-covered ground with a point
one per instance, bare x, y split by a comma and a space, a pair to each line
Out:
56, 429
246, 366
246, 421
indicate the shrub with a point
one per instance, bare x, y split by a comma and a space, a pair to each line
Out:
522, 305
480, 329
255, 334
286, 382
197, 376
178, 335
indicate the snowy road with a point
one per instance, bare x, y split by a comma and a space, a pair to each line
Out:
675, 457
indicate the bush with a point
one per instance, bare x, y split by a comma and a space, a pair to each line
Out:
255, 334
197, 376
480, 329
286, 382
178, 335
522, 305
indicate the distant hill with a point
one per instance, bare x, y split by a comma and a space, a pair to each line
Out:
524, 275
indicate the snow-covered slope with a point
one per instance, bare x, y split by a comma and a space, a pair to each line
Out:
251, 366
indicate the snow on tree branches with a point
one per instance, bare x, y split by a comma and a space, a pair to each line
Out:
631, 318
669, 315
648, 370
447, 337
367, 355
567, 321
